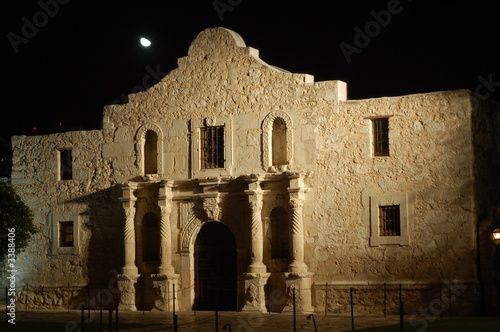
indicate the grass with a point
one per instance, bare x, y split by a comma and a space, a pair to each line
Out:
458, 324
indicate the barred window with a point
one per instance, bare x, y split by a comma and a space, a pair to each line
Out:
65, 164
380, 136
66, 234
212, 147
389, 220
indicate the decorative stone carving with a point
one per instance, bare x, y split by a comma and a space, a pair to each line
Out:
302, 284
255, 199
296, 203
128, 202
126, 285
211, 207
210, 121
165, 204
167, 287
255, 298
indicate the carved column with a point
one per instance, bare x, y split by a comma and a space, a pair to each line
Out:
165, 204
165, 281
255, 198
296, 203
298, 278
129, 276
256, 278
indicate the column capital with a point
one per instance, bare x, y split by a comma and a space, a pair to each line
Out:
255, 199
165, 190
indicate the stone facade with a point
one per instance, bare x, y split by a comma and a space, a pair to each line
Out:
295, 181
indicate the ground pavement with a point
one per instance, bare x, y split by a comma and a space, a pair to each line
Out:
197, 321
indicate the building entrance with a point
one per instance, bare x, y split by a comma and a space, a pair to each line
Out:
215, 268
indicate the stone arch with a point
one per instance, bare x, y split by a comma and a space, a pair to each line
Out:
148, 138
277, 152
192, 227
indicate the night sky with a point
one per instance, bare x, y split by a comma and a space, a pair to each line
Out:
65, 60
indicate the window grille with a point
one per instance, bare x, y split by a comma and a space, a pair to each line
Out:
212, 147
389, 220
66, 234
381, 136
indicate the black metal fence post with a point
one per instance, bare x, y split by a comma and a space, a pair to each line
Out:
441, 300
352, 309
326, 298
294, 314
173, 305
401, 309
449, 288
385, 299
314, 321
100, 310
88, 302
82, 311
110, 318
116, 318
26, 297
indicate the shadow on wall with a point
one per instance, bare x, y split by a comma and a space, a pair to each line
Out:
486, 128
106, 222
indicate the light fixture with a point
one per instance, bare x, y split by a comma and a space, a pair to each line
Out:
496, 234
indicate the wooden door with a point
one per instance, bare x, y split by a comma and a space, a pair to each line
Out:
215, 268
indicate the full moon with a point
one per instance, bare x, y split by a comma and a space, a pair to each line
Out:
145, 42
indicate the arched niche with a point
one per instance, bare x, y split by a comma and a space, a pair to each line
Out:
148, 149
277, 142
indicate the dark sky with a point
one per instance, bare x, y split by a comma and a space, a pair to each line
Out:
64, 60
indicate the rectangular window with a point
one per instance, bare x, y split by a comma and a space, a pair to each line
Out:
212, 147
66, 234
65, 164
380, 128
389, 220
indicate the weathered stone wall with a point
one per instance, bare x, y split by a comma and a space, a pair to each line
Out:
223, 82
431, 156
89, 198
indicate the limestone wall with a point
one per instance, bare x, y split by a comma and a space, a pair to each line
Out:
430, 158
223, 82
89, 200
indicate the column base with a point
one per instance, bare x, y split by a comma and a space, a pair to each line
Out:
126, 285
165, 284
255, 297
302, 283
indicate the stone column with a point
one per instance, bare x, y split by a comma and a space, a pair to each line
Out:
165, 204
165, 281
256, 278
296, 203
129, 276
255, 198
298, 278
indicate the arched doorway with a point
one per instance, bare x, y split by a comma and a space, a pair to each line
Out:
215, 268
